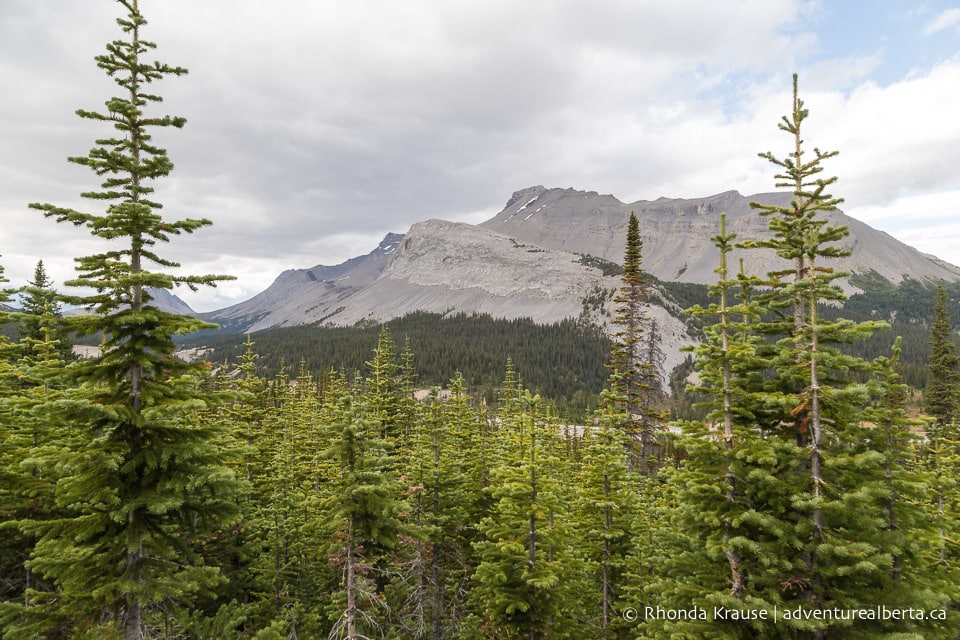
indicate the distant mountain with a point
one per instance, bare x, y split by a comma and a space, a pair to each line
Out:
304, 296
445, 267
676, 234
164, 300
546, 256
438, 266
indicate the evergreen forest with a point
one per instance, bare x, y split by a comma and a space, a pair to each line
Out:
811, 494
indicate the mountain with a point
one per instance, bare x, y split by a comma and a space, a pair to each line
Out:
443, 267
546, 256
303, 296
162, 299
169, 302
676, 234
438, 266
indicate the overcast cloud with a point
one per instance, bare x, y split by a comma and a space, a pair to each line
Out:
317, 126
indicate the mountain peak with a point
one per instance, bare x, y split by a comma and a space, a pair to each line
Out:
529, 192
507, 266
677, 232
390, 242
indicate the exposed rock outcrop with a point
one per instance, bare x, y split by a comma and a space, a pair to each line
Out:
676, 234
528, 261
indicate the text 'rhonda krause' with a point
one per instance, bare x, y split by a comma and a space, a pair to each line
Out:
880, 612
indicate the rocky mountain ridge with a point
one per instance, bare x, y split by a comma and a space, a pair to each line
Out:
304, 296
537, 259
449, 267
676, 234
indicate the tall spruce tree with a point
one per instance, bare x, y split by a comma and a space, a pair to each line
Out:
606, 504
941, 451
839, 481
942, 394
639, 381
30, 377
923, 566
529, 578
147, 479
787, 502
716, 530
364, 508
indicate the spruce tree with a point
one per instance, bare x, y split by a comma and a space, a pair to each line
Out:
606, 505
364, 509
940, 459
941, 450
147, 480
287, 522
812, 400
942, 394
383, 392
31, 377
840, 482
527, 584
431, 586
39, 303
632, 351
923, 567
716, 528
791, 499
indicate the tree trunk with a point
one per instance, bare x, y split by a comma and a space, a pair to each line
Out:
133, 614
351, 587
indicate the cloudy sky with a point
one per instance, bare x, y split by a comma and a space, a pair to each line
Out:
317, 126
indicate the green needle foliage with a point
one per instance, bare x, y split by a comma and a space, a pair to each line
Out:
140, 479
360, 512
41, 313
365, 509
795, 492
633, 358
942, 395
607, 505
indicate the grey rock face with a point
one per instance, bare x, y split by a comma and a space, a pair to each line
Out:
524, 262
446, 267
676, 233
304, 296
165, 301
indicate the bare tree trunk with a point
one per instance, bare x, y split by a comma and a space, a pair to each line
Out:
532, 531
816, 455
736, 573
896, 571
943, 532
351, 586
436, 585
133, 614
816, 424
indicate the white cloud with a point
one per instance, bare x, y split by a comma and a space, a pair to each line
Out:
929, 222
948, 19
894, 141
314, 128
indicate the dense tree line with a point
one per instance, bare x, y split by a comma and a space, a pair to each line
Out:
563, 361
146, 497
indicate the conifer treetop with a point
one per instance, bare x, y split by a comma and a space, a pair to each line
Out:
129, 163
810, 198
